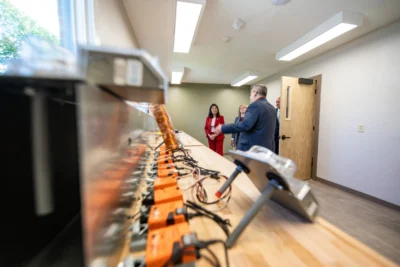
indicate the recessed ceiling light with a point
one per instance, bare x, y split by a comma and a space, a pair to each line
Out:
177, 74
188, 14
330, 29
245, 78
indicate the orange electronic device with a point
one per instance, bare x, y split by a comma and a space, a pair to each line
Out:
167, 160
162, 242
165, 153
167, 214
168, 194
165, 166
164, 157
165, 182
163, 173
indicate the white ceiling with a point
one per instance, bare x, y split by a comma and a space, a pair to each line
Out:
268, 29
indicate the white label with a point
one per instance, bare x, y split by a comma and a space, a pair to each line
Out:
134, 72
119, 71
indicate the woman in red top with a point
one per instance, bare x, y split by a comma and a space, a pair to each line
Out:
215, 142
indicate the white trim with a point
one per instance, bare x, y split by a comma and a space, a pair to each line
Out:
90, 23
79, 22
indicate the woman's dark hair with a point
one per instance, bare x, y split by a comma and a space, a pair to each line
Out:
210, 115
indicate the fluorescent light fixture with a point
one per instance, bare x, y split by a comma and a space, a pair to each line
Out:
330, 29
188, 14
177, 74
245, 78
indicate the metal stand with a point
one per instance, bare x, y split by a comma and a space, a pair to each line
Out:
266, 194
240, 168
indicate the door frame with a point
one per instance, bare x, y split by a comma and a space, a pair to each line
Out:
317, 108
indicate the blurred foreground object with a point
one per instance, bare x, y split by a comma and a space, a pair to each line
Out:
131, 74
39, 58
82, 149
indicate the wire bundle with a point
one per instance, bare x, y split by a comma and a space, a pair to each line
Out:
199, 191
197, 171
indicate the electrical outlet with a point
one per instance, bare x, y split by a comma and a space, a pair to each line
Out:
361, 128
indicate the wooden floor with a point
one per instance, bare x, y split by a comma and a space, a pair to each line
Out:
373, 224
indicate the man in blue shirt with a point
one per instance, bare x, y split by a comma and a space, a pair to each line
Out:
258, 124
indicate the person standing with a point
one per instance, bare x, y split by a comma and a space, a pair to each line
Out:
277, 126
235, 136
214, 120
258, 124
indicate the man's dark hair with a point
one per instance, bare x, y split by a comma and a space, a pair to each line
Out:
210, 115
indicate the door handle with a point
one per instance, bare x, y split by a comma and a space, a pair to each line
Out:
285, 137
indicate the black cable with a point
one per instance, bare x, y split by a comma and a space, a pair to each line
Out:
183, 168
208, 259
190, 161
214, 256
200, 211
203, 171
226, 252
183, 174
177, 255
215, 241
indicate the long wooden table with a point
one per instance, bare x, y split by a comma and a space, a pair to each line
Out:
187, 140
276, 237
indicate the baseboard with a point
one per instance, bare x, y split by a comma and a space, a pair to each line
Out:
360, 194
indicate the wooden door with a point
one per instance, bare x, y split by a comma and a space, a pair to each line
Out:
296, 124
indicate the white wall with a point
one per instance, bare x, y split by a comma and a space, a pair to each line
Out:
112, 24
360, 85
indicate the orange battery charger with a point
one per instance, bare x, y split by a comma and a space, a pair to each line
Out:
163, 183
165, 166
168, 194
163, 173
165, 153
162, 242
166, 214
166, 160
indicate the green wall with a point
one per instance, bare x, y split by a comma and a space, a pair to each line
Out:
188, 106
